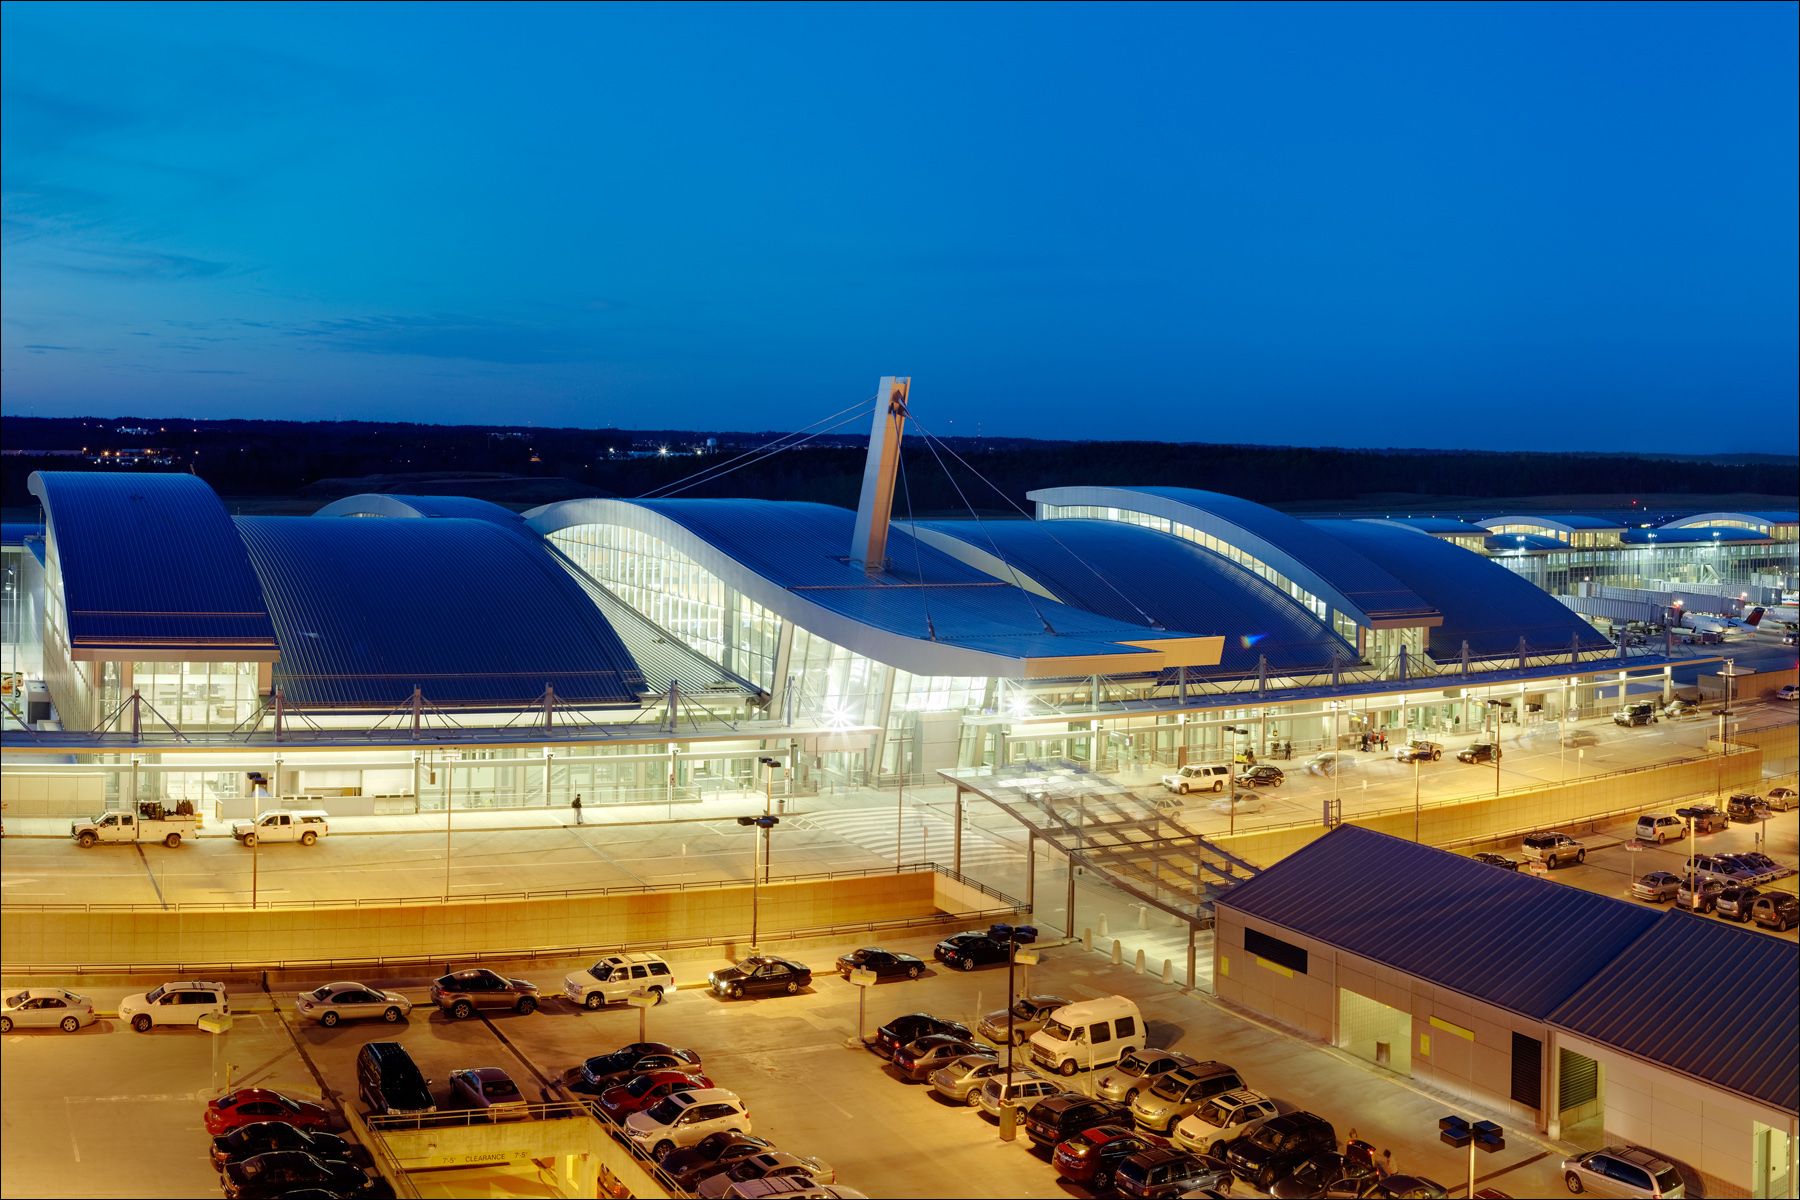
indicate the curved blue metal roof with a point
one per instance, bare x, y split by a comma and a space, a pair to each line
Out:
1437, 525
1499, 543
384, 504
1674, 535
25, 534
150, 563
927, 612
1571, 522
468, 612
1760, 517
1482, 602
1298, 549
1138, 575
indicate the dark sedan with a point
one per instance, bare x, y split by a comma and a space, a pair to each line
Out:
1091, 1156
710, 1155
886, 964
282, 1171
1498, 860
260, 1137
969, 950
602, 1071
1261, 776
1326, 1175
762, 975
917, 1060
910, 1028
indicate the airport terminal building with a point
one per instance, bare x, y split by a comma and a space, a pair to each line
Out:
397, 653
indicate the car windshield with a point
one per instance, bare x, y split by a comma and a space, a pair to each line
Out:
1133, 1063
1214, 1113
1024, 1010
502, 1089
155, 994
600, 971
1170, 1087
664, 1111
640, 1085
1058, 1032
1667, 1180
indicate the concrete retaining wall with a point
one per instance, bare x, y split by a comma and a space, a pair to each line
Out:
1556, 806
39, 938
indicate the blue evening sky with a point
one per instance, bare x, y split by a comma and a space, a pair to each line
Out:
1507, 225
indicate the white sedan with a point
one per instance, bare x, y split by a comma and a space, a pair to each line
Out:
1788, 692
45, 1008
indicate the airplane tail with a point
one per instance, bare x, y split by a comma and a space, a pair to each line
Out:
1753, 618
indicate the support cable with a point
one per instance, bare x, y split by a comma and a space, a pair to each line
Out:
773, 446
1030, 597
918, 559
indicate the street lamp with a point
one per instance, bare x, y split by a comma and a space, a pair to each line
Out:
763, 824
1231, 769
1484, 1135
1012, 937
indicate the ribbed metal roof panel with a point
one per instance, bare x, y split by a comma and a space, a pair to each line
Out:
1569, 521
25, 534
150, 563
1748, 1046
1482, 602
1138, 575
923, 593
1502, 937
1438, 525
385, 504
1670, 535
471, 613
1500, 543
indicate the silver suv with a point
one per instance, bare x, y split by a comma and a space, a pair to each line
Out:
1624, 1171
616, 976
1554, 849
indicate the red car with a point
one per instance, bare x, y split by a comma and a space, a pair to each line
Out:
1091, 1156
261, 1104
641, 1091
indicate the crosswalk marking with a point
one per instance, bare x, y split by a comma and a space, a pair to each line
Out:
873, 830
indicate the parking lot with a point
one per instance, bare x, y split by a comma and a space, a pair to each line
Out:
107, 1112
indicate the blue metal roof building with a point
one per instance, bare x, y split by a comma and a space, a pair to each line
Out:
150, 563
465, 610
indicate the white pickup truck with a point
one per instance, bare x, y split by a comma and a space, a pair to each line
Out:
305, 827
148, 824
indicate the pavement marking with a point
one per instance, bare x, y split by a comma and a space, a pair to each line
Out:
160, 898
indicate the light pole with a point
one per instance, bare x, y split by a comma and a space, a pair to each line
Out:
1234, 730
770, 766
763, 824
1415, 757
1483, 1135
1013, 937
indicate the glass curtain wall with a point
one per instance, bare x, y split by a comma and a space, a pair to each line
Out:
189, 695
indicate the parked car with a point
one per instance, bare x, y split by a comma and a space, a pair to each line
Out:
461, 993
1624, 1171
1418, 750
593, 1076
1553, 849
1658, 887
1497, 860
904, 1030
1162, 1173
1222, 1120
1708, 898
1480, 752
1579, 739
1680, 709
887, 964
641, 1091
762, 974
45, 1008
1704, 818
770, 1164
1746, 807
1273, 1149
248, 1105
260, 1137
1242, 803
1023, 1088
684, 1118
1198, 777
1642, 712
1418, 1187
1088, 1034
710, 1154
336, 1002
1090, 1157
1734, 901
1660, 828
174, 1004
1782, 799
960, 1081
1723, 867
1139, 1070
282, 1172
970, 949
613, 978
1787, 693
1770, 868
1327, 1174
1058, 1118
1776, 910
1028, 1016
1179, 1093
389, 1081
791, 1189
1262, 775
916, 1061
1753, 867
485, 1087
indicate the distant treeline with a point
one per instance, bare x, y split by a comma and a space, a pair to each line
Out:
261, 459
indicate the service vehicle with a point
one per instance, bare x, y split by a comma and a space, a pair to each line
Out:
305, 826
1087, 1035
148, 823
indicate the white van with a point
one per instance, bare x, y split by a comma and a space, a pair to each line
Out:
1089, 1034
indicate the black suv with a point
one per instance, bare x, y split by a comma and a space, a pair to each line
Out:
1261, 776
1058, 1118
1480, 752
1745, 807
1273, 1149
969, 950
1165, 1173
903, 1031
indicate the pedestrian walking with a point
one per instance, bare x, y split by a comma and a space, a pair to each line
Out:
576, 805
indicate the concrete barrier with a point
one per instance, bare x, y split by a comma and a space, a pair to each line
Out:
45, 937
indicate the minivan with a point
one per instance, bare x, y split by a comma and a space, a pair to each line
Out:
389, 1081
1624, 1171
1660, 827
1090, 1034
